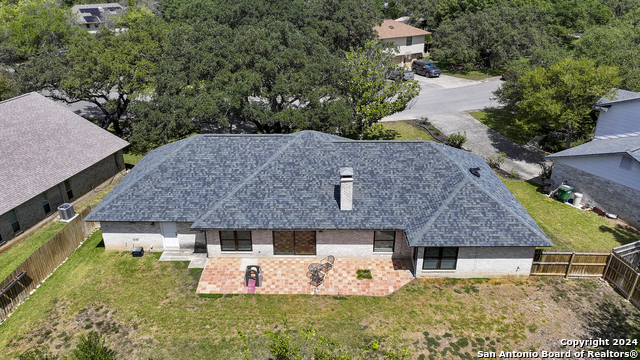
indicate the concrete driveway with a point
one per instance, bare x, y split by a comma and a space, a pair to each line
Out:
485, 142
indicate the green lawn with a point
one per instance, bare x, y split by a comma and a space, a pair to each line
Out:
15, 255
503, 122
148, 309
131, 159
404, 130
473, 74
568, 227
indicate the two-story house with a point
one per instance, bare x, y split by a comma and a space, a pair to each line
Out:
410, 40
92, 17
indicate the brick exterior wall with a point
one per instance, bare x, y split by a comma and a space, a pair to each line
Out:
32, 212
484, 261
340, 243
606, 194
123, 236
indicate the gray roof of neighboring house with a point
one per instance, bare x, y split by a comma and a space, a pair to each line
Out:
292, 182
44, 144
621, 96
617, 146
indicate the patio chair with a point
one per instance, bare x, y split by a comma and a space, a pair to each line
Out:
327, 263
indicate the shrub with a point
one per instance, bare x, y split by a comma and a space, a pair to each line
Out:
456, 140
514, 174
552, 143
92, 347
424, 121
363, 274
496, 161
546, 171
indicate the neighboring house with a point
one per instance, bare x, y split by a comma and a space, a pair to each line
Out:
410, 40
50, 156
310, 193
606, 170
92, 17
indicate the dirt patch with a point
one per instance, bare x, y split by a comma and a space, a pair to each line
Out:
59, 336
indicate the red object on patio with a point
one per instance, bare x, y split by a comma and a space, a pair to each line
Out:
251, 289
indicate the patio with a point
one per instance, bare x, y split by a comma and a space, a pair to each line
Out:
287, 275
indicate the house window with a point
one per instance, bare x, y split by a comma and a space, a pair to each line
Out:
67, 186
440, 258
626, 162
13, 219
45, 202
235, 240
96, 26
383, 241
409, 40
88, 26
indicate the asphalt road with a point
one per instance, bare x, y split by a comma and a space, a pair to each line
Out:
446, 94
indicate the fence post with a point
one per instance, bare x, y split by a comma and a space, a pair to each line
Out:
633, 287
604, 274
566, 275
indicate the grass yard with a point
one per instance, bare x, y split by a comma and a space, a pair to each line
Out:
404, 130
131, 159
568, 227
503, 122
147, 309
15, 255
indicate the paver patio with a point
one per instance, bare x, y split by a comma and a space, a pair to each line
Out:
285, 275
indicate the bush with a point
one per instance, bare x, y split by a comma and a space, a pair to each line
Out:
514, 174
497, 160
92, 347
363, 274
546, 171
552, 143
456, 140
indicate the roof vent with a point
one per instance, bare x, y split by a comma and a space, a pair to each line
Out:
475, 171
390, 26
346, 189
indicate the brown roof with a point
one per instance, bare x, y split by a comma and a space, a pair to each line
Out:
44, 144
394, 29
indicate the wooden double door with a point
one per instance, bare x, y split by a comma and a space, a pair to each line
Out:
294, 242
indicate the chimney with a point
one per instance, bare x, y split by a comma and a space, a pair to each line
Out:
346, 189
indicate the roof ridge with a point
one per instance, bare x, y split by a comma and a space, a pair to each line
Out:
146, 171
19, 97
294, 138
467, 176
442, 207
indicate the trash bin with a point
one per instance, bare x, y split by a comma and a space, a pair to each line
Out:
564, 192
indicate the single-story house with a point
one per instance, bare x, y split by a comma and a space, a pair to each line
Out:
606, 170
50, 156
314, 194
92, 17
410, 40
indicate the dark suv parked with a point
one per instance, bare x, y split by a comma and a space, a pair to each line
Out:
425, 68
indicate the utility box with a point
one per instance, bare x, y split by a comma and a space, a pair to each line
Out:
564, 192
66, 211
137, 252
253, 272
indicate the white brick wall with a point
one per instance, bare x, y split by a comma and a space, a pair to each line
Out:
123, 236
485, 261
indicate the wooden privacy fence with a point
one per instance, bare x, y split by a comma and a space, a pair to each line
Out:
569, 263
32, 272
623, 274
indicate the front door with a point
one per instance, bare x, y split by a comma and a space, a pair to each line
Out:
294, 242
170, 236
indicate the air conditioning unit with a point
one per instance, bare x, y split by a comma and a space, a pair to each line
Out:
66, 211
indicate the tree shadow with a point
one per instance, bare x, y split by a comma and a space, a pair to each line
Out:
609, 319
504, 123
623, 235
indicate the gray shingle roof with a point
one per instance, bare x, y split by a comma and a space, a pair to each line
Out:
617, 146
292, 182
621, 96
44, 144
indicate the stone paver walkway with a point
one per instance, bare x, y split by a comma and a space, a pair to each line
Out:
287, 275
